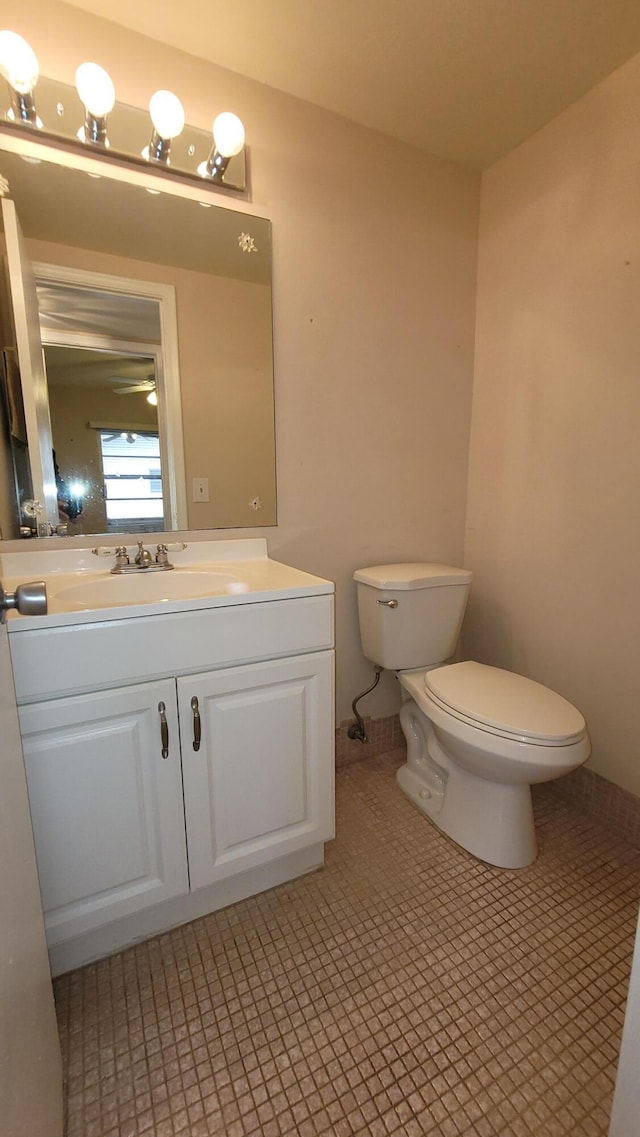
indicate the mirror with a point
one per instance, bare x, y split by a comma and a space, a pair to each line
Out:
217, 378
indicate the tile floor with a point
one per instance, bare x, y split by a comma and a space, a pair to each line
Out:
406, 989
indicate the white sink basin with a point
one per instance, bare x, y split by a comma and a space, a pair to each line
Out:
142, 588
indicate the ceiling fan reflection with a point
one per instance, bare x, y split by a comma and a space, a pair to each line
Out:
128, 436
148, 386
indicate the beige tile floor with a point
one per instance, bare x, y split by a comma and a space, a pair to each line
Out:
405, 989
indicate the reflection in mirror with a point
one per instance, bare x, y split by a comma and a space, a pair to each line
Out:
217, 261
125, 327
106, 447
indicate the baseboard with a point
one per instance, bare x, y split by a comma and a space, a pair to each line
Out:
601, 799
585, 790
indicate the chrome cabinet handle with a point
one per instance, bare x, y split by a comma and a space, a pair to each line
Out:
196, 724
389, 603
164, 730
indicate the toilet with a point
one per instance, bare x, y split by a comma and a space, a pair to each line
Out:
477, 737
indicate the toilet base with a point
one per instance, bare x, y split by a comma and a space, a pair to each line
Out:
493, 822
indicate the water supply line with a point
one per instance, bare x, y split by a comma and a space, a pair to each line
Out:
357, 730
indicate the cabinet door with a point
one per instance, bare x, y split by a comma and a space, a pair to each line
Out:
261, 785
106, 806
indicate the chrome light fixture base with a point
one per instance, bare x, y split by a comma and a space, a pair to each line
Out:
23, 109
94, 131
159, 149
60, 114
215, 166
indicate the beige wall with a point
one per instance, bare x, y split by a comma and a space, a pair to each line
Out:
554, 484
374, 249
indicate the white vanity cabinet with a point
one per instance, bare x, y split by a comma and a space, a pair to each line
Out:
136, 829
106, 806
259, 785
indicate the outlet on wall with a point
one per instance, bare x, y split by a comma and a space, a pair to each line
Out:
200, 489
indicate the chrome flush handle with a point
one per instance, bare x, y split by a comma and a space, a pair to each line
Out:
197, 726
388, 603
164, 730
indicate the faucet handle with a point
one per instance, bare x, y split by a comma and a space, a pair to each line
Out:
162, 556
122, 556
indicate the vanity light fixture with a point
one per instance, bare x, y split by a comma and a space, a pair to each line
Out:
97, 92
174, 150
228, 140
19, 66
167, 117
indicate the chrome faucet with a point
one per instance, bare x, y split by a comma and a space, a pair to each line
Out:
143, 560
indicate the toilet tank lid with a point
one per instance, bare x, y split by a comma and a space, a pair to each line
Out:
502, 699
411, 575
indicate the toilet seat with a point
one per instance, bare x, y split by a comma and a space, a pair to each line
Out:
504, 704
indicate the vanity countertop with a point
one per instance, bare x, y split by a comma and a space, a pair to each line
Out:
241, 573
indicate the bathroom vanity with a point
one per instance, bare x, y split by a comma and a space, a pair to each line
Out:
179, 749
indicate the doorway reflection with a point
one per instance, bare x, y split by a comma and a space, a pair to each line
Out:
104, 426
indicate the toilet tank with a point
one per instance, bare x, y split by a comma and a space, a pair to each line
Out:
422, 624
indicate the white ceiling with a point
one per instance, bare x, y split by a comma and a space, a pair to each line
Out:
464, 79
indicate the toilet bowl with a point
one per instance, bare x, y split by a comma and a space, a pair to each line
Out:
477, 736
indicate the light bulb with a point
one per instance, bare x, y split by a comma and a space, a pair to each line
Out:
152, 398
18, 63
228, 134
96, 89
167, 114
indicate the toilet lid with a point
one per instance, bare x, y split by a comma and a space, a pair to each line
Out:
506, 702
413, 575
